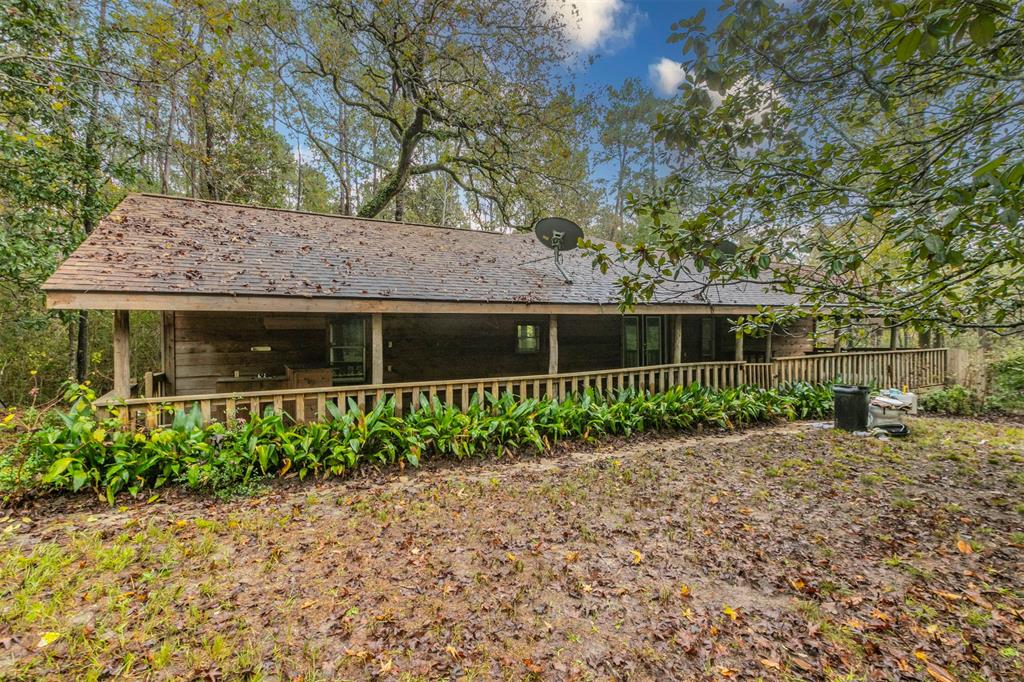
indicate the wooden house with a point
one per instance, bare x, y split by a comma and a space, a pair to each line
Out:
258, 300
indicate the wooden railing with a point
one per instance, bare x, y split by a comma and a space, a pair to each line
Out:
310, 404
917, 368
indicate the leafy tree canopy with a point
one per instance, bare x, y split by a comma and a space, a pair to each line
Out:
868, 155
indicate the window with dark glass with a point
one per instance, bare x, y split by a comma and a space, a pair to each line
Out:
630, 341
652, 340
527, 337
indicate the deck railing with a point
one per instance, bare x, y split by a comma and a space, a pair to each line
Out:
918, 368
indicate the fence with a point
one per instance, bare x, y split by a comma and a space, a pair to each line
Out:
917, 368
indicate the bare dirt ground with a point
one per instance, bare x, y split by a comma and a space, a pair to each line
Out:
785, 553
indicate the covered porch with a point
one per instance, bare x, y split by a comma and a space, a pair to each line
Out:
232, 365
204, 352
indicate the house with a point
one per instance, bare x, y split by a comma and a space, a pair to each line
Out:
258, 300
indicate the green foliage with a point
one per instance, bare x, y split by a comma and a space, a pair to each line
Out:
956, 399
1006, 381
867, 156
82, 451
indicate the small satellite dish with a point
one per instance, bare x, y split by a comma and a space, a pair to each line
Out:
558, 234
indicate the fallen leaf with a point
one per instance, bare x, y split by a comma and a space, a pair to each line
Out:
637, 557
948, 595
532, 667
964, 546
731, 612
47, 639
771, 663
939, 673
684, 591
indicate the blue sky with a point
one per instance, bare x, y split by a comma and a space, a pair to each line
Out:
628, 39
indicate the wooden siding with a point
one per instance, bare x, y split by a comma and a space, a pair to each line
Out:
796, 339
208, 346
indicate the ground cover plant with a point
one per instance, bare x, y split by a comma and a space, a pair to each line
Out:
82, 451
786, 552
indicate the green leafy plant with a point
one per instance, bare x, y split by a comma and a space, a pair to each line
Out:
956, 399
1006, 382
82, 450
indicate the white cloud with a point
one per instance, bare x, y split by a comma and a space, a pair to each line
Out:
666, 75
593, 24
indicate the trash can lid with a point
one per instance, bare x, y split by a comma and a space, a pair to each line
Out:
839, 388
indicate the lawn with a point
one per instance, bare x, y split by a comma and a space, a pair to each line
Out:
782, 553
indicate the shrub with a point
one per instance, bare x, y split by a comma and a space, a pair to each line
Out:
956, 399
82, 450
1006, 382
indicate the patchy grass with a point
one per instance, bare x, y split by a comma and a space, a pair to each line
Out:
789, 553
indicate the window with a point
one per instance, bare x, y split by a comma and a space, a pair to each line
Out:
527, 337
347, 352
630, 341
652, 340
707, 338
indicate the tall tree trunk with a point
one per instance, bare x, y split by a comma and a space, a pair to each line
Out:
400, 206
165, 166
397, 179
210, 186
91, 190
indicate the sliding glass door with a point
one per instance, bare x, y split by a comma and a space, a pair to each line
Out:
642, 340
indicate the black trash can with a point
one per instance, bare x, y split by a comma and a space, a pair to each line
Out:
851, 407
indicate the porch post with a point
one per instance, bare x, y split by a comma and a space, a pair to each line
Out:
677, 339
552, 344
377, 348
768, 346
167, 349
739, 346
122, 355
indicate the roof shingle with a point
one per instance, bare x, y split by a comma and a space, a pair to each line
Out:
155, 244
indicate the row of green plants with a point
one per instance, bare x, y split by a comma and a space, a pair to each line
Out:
82, 451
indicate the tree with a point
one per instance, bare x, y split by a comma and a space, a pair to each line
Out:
462, 88
209, 101
868, 155
628, 146
59, 149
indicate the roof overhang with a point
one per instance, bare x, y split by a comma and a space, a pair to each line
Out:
78, 300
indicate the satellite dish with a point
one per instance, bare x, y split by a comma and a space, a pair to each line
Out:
558, 234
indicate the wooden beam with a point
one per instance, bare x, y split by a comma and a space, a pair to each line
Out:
677, 338
377, 348
168, 349
77, 300
739, 346
122, 355
768, 347
553, 344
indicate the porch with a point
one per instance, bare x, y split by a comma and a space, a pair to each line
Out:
204, 352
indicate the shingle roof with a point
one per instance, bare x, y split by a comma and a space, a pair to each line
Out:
155, 244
